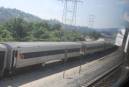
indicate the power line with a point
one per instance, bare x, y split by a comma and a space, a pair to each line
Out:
70, 11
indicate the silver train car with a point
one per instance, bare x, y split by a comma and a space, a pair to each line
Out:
15, 55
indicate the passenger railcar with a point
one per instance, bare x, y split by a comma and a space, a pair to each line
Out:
35, 53
15, 55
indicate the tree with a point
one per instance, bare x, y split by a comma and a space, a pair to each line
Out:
19, 29
41, 33
95, 35
5, 35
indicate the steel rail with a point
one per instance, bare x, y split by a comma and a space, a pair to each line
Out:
91, 82
101, 76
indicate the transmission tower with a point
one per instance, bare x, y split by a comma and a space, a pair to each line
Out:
69, 16
70, 11
91, 20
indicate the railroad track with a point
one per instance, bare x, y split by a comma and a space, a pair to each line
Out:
93, 82
106, 74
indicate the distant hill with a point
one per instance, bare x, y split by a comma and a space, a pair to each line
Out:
108, 32
7, 14
81, 29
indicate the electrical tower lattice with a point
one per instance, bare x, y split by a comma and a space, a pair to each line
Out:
70, 11
91, 21
69, 16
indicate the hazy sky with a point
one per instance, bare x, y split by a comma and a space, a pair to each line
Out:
107, 12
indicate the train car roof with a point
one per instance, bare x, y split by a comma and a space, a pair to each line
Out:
31, 44
2, 47
93, 42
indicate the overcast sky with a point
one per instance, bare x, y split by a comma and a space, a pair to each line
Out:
107, 12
